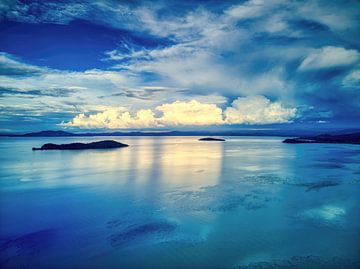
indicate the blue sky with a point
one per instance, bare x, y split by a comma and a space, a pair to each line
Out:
124, 65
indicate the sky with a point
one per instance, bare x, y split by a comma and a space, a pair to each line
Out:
182, 65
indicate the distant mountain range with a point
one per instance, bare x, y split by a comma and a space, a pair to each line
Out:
284, 133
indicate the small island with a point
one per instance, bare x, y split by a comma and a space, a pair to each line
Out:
106, 144
211, 139
353, 138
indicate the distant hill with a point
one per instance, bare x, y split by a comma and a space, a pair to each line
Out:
49, 134
353, 138
282, 133
149, 133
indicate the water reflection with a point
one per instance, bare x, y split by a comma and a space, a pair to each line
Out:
175, 200
191, 163
151, 161
147, 163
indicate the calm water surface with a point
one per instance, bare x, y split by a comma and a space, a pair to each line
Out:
175, 202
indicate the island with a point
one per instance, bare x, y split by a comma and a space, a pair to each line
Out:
105, 144
211, 139
353, 138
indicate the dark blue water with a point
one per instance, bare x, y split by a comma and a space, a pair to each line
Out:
175, 202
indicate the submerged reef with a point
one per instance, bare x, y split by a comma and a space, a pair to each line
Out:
318, 185
248, 192
328, 215
218, 198
20, 249
138, 233
304, 262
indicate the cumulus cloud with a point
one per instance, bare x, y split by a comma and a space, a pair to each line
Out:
257, 110
190, 113
115, 118
173, 114
244, 110
328, 57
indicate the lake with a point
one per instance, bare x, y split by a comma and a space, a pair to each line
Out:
175, 202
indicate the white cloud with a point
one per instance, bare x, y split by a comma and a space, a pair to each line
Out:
207, 54
91, 82
97, 87
245, 110
212, 53
10, 66
257, 110
173, 114
270, 16
352, 79
201, 69
60, 13
192, 26
190, 113
115, 118
248, 10
328, 57
339, 16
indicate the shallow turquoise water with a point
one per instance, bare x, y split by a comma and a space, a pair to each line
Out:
175, 202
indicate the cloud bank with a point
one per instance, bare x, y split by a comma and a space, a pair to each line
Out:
244, 110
